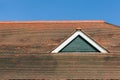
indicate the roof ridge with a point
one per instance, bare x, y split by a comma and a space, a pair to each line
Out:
56, 21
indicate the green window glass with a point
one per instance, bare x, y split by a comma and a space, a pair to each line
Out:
79, 45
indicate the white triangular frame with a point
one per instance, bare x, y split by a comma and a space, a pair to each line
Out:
72, 37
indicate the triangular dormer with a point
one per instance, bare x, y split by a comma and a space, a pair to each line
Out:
79, 42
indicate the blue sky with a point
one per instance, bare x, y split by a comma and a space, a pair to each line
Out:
24, 10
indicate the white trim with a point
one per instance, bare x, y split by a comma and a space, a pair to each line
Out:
79, 33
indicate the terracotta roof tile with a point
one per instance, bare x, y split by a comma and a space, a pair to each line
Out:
60, 66
44, 36
24, 47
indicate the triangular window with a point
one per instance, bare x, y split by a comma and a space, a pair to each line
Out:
79, 42
79, 45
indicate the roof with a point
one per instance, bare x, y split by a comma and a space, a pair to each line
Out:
44, 36
25, 51
60, 66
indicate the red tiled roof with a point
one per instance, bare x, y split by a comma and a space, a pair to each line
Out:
44, 36
21, 43
60, 66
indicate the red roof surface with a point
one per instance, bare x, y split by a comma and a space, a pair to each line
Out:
44, 36
25, 51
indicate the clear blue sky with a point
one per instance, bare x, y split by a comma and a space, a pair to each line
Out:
24, 10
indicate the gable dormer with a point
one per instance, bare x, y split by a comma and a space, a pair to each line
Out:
79, 42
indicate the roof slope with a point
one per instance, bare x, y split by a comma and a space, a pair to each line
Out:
44, 36
31, 38
60, 67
